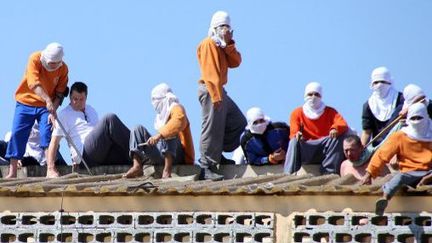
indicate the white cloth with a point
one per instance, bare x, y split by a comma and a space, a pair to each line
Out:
7, 136
411, 93
254, 114
313, 107
163, 100
420, 130
78, 125
219, 18
382, 102
52, 53
33, 148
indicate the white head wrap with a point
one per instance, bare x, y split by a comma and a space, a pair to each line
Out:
383, 100
163, 100
411, 93
420, 130
254, 114
313, 107
219, 18
52, 53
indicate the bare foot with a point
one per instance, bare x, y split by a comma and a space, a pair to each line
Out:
134, 171
166, 174
11, 175
52, 173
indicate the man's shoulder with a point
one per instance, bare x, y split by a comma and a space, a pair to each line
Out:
207, 42
36, 55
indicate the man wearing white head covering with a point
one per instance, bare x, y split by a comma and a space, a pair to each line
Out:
222, 120
263, 141
38, 96
381, 107
413, 94
173, 142
316, 133
413, 147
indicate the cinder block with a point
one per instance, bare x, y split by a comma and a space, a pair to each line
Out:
298, 221
56, 235
203, 235
205, 219
86, 236
105, 220
123, 235
224, 219
263, 235
223, 234
163, 235
8, 220
183, 236
144, 235
104, 236
302, 235
125, 220
264, 220
18, 235
185, 219
244, 220
145, 220
164, 220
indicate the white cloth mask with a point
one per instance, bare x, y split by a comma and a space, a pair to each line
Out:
420, 130
163, 100
259, 128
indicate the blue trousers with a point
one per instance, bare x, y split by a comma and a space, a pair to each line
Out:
411, 178
24, 118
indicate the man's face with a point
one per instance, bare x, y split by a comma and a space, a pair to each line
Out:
54, 65
352, 150
78, 100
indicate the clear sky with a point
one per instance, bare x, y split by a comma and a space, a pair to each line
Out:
122, 49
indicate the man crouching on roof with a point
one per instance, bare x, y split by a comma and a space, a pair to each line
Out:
413, 147
316, 133
173, 142
99, 142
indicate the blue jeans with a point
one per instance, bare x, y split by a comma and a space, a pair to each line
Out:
411, 178
24, 118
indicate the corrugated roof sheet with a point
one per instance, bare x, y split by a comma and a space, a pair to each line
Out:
278, 184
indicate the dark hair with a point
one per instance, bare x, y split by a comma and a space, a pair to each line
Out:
78, 87
353, 138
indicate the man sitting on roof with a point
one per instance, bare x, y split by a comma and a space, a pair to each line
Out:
316, 134
354, 164
173, 142
263, 141
98, 142
413, 94
382, 106
413, 148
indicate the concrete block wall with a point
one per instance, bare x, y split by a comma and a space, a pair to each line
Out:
361, 227
137, 227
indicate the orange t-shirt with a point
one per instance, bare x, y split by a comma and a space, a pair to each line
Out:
411, 154
214, 62
319, 128
178, 124
35, 74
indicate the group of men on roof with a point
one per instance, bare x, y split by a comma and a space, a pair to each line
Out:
317, 133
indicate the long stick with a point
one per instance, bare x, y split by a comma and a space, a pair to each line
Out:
70, 141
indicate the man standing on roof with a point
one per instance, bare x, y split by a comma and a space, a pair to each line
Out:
222, 120
173, 142
381, 107
316, 133
413, 148
264, 142
99, 142
38, 96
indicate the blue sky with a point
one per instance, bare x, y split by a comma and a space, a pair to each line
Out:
121, 49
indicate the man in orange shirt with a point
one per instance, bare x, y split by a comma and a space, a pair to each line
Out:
173, 142
413, 148
38, 96
222, 120
316, 134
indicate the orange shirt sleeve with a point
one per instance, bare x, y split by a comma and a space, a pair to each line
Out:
176, 123
295, 122
211, 69
63, 81
339, 124
383, 155
33, 73
233, 56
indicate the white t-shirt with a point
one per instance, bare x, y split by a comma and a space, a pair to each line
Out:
78, 125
